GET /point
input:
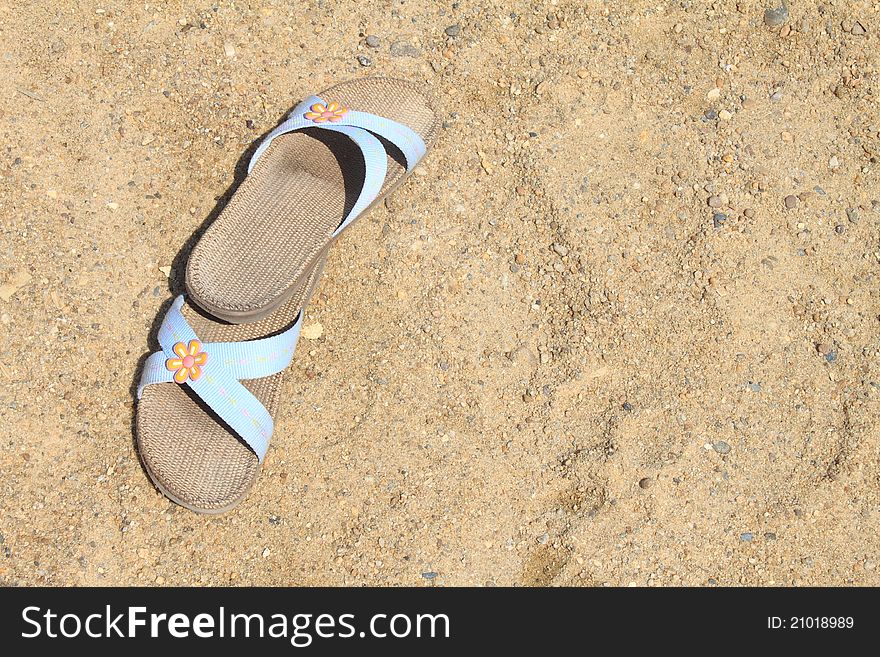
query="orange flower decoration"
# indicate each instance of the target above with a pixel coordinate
(189, 361)
(320, 113)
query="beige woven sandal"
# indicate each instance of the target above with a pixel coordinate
(208, 397)
(329, 162)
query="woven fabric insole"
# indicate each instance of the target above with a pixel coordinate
(282, 217)
(187, 450)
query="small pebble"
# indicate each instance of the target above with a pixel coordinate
(774, 17)
(229, 49)
(754, 387)
(770, 536)
(404, 49)
(364, 61)
(13, 285)
(266, 552)
(857, 29)
(746, 536)
(312, 331)
(852, 215)
(372, 41)
(715, 202)
(560, 249)
(791, 201)
(721, 447)
(718, 219)
(429, 575)
(645, 482)
(543, 538)
(627, 406)
(453, 30)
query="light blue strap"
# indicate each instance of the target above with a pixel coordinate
(405, 138)
(375, 170)
(155, 372)
(256, 359)
(360, 127)
(219, 383)
(236, 406)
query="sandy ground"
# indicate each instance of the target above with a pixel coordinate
(621, 329)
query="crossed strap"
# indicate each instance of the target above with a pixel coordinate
(363, 129)
(214, 370)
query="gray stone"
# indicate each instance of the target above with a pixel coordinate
(404, 49)
(774, 17)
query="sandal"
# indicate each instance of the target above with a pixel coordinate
(335, 157)
(207, 401)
